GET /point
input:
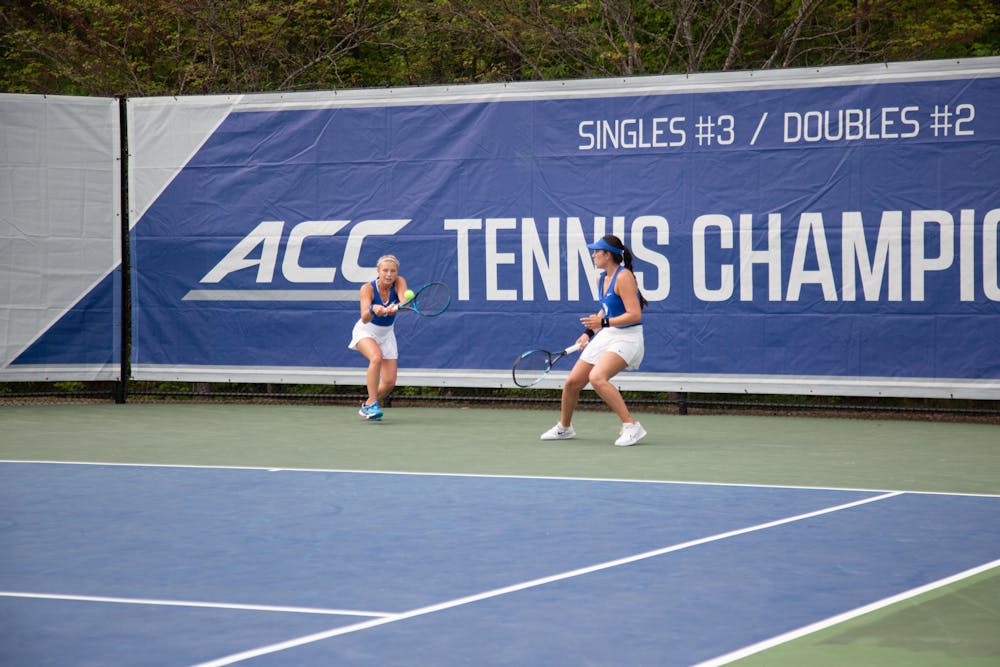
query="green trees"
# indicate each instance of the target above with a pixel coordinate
(174, 47)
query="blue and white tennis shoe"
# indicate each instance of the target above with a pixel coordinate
(371, 412)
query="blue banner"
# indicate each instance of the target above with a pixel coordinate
(846, 231)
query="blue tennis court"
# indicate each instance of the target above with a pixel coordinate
(172, 565)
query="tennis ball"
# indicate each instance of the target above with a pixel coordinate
(408, 295)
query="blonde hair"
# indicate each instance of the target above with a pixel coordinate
(387, 258)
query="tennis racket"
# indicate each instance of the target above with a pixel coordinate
(532, 366)
(430, 300)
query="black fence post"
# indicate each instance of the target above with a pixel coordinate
(121, 386)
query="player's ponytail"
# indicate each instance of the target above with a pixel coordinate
(616, 242)
(627, 258)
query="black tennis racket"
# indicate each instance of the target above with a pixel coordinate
(532, 366)
(430, 300)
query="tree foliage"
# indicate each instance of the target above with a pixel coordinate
(175, 47)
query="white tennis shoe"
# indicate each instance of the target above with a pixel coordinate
(630, 434)
(559, 432)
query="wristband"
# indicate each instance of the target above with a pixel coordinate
(604, 323)
(589, 332)
(371, 309)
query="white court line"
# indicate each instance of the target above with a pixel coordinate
(412, 473)
(846, 616)
(422, 611)
(189, 603)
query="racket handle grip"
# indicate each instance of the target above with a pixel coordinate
(572, 348)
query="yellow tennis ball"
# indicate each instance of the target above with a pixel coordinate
(408, 295)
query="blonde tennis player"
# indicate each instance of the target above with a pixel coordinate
(618, 344)
(374, 335)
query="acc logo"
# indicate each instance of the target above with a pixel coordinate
(268, 235)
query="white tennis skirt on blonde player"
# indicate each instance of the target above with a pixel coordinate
(384, 336)
(627, 343)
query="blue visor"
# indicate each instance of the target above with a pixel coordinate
(601, 244)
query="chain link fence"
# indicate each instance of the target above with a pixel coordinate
(964, 410)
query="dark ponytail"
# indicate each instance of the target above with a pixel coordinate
(616, 242)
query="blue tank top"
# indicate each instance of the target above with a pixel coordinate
(611, 303)
(384, 320)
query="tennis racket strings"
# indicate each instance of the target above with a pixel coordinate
(531, 367)
(432, 299)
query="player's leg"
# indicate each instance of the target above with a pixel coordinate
(387, 378)
(609, 365)
(373, 353)
(575, 383)
(390, 363)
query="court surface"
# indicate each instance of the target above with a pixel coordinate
(292, 535)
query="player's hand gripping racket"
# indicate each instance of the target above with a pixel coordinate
(532, 366)
(430, 300)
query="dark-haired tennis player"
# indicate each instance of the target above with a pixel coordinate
(617, 345)
(374, 336)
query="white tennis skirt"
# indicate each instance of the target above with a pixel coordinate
(627, 343)
(384, 336)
